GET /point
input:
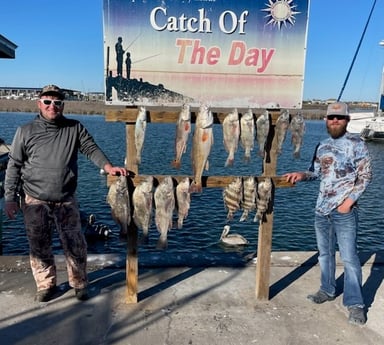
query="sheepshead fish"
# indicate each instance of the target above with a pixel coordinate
(247, 134)
(264, 193)
(297, 128)
(231, 133)
(118, 199)
(281, 128)
(248, 203)
(165, 205)
(262, 125)
(183, 198)
(232, 196)
(201, 147)
(183, 128)
(140, 127)
(142, 199)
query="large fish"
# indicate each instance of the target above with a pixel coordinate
(264, 193)
(297, 128)
(183, 128)
(118, 199)
(247, 134)
(164, 208)
(231, 133)
(140, 127)
(232, 196)
(262, 125)
(183, 198)
(248, 204)
(281, 128)
(142, 200)
(201, 147)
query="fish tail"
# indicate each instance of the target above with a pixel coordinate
(229, 161)
(162, 243)
(244, 216)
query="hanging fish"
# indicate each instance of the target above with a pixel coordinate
(297, 128)
(183, 198)
(264, 194)
(247, 134)
(281, 128)
(183, 128)
(201, 147)
(165, 204)
(140, 127)
(118, 199)
(248, 203)
(232, 196)
(231, 133)
(142, 200)
(262, 125)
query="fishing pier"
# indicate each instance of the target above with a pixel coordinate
(129, 115)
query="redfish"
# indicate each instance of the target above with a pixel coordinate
(201, 147)
(183, 128)
(231, 133)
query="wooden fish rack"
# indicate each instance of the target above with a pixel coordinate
(264, 245)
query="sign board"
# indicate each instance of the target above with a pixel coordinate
(223, 53)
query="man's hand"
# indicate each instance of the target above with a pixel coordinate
(11, 208)
(111, 170)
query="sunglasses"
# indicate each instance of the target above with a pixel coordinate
(56, 102)
(337, 117)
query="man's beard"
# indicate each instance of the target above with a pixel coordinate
(336, 132)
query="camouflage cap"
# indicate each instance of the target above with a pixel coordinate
(338, 108)
(52, 90)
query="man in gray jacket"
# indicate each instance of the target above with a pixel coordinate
(42, 172)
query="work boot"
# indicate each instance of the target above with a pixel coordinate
(45, 295)
(320, 297)
(82, 294)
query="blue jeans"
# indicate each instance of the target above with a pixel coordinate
(340, 227)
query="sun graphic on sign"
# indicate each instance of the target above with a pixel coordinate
(281, 12)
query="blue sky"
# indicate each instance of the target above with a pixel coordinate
(61, 42)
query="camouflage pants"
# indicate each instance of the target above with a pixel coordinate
(40, 218)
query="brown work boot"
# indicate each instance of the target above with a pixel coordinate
(45, 295)
(82, 294)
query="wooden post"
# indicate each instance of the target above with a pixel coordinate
(132, 256)
(264, 243)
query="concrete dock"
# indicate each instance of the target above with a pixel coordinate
(207, 305)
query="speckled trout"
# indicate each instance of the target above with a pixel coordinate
(183, 128)
(231, 134)
(140, 127)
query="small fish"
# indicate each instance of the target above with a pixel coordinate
(262, 125)
(297, 128)
(264, 193)
(118, 199)
(231, 133)
(232, 196)
(183, 198)
(165, 205)
(183, 128)
(248, 203)
(201, 147)
(140, 127)
(281, 128)
(247, 134)
(142, 199)
(233, 239)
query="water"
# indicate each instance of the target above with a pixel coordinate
(293, 210)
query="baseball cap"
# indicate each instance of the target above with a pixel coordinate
(338, 108)
(52, 90)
